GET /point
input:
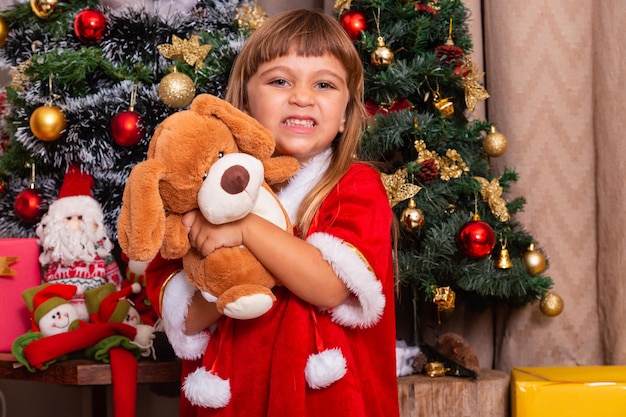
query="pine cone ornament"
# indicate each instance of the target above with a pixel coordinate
(428, 171)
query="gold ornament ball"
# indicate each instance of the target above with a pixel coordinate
(534, 260)
(382, 55)
(47, 123)
(43, 8)
(177, 90)
(494, 144)
(551, 304)
(412, 217)
(4, 32)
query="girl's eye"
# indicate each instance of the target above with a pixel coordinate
(280, 82)
(325, 85)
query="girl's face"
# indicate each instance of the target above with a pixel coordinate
(301, 100)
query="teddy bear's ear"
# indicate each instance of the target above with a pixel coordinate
(251, 137)
(280, 168)
(141, 224)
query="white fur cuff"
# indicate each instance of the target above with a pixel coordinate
(366, 307)
(176, 300)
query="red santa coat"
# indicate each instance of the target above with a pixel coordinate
(264, 358)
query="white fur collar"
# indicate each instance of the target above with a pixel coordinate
(292, 194)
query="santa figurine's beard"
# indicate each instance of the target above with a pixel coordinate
(67, 245)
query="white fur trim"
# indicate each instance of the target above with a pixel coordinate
(324, 368)
(205, 389)
(300, 184)
(176, 300)
(366, 308)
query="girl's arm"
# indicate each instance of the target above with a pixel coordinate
(298, 265)
(200, 315)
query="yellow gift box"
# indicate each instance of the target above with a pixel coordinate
(576, 391)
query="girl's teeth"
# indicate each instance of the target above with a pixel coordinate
(297, 122)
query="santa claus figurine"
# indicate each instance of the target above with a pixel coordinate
(75, 246)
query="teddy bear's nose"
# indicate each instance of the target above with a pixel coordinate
(235, 179)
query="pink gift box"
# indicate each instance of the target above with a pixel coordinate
(19, 270)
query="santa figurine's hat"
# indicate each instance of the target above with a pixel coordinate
(75, 193)
(42, 299)
(107, 304)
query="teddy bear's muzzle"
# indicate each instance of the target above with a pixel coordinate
(231, 188)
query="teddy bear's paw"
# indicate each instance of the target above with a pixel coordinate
(248, 305)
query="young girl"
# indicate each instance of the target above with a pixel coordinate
(300, 76)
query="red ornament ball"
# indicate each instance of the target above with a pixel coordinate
(353, 22)
(126, 128)
(89, 26)
(28, 205)
(476, 238)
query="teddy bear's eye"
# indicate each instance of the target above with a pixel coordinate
(220, 154)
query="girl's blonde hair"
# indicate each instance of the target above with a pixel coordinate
(307, 33)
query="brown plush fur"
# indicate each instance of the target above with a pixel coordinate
(165, 186)
(454, 347)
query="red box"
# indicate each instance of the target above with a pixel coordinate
(19, 270)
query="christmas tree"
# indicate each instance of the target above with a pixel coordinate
(90, 83)
(458, 239)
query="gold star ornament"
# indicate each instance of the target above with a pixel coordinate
(342, 5)
(474, 91)
(188, 50)
(491, 192)
(5, 265)
(398, 189)
(251, 17)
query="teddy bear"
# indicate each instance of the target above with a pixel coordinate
(215, 158)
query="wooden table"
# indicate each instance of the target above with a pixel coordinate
(83, 372)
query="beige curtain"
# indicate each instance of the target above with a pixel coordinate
(554, 72)
(609, 108)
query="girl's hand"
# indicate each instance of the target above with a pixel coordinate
(207, 237)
